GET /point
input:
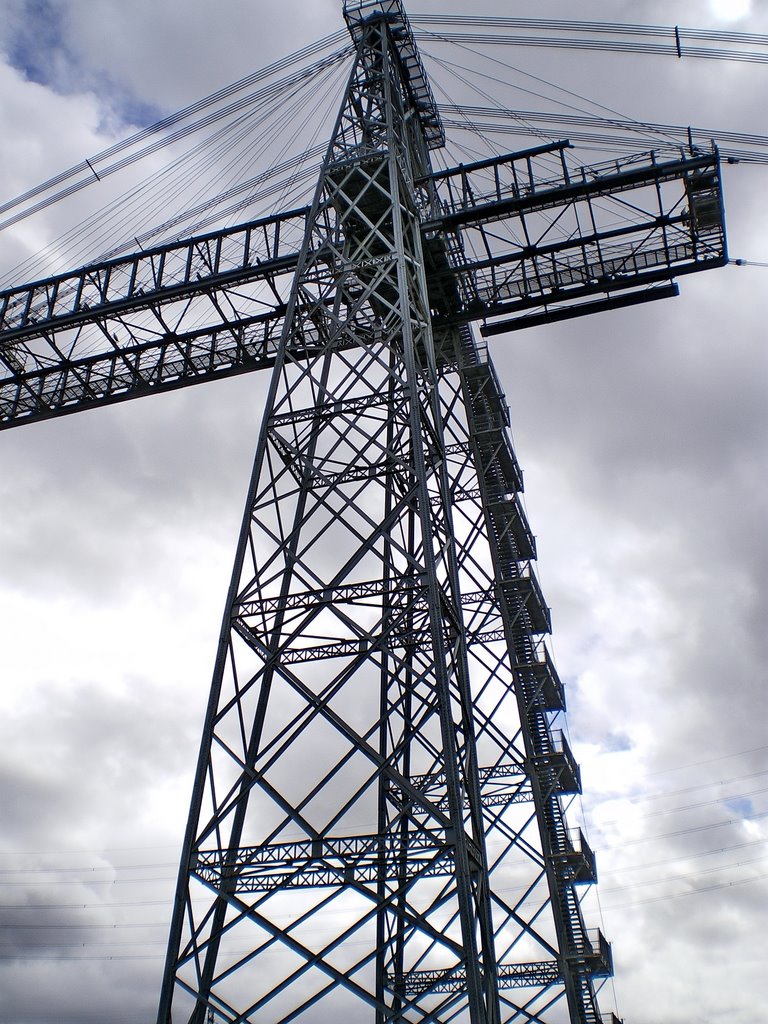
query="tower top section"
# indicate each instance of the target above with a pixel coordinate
(356, 14)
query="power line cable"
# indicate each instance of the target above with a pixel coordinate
(274, 89)
(734, 146)
(95, 160)
(690, 807)
(690, 831)
(691, 892)
(616, 27)
(709, 760)
(537, 78)
(672, 49)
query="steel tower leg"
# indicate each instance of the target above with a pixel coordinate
(376, 829)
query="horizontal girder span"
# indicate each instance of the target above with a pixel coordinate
(132, 371)
(494, 189)
(213, 306)
(326, 862)
(649, 218)
(261, 249)
(513, 975)
(364, 593)
(264, 248)
(333, 861)
(594, 960)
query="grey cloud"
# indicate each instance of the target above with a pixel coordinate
(644, 439)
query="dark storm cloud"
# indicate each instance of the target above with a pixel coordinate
(79, 763)
(78, 757)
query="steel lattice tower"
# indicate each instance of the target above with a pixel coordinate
(377, 829)
(340, 778)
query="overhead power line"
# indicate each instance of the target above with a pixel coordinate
(568, 25)
(169, 130)
(617, 46)
(659, 40)
(688, 892)
(746, 147)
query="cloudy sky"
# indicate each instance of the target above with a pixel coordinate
(644, 439)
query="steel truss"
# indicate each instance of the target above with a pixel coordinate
(377, 828)
(355, 685)
(516, 236)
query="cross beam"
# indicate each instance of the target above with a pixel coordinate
(123, 328)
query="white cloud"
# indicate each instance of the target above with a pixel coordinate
(730, 10)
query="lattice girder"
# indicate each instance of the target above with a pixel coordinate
(346, 489)
(131, 326)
